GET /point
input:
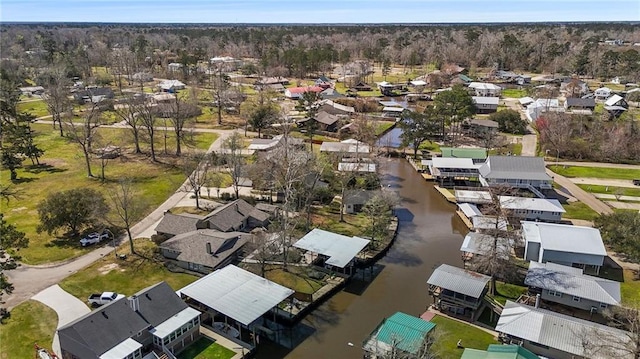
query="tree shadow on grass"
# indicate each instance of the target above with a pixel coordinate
(43, 167)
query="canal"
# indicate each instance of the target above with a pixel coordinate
(430, 233)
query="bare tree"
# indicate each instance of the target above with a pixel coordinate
(84, 133)
(56, 96)
(128, 111)
(181, 113)
(127, 205)
(234, 160)
(196, 167)
(219, 83)
(147, 115)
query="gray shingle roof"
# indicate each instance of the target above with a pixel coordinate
(459, 280)
(230, 216)
(553, 277)
(514, 167)
(178, 223)
(193, 246)
(581, 102)
(95, 333)
(158, 303)
(358, 196)
(562, 332)
(326, 118)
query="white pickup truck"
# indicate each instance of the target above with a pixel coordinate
(94, 238)
(97, 299)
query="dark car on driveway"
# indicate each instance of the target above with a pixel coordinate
(636, 182)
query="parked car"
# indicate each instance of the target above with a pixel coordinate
(636, 182)
(98, 299)
(93, 238)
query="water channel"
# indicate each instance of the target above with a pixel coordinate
(430, 234)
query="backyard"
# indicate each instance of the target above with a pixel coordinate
(449, 331)
(62, 168)
(205, 348)
(296, 278)
(579, 210)
(31, 322)
(596, 172)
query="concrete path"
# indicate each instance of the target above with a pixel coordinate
(599, 164)
(604, 182)
(620, 198)
(580, 194)
(29, 280)
(624, 205)
(68, 308)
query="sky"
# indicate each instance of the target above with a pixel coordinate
(313, 11)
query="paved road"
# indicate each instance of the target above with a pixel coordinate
(530, 141)
(68, 308)
(597, 164)
(29, 280)
(580, 194)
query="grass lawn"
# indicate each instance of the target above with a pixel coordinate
(635, 192)
(31, 322)
(205, 348)
(382, 126)
(630, 289)
(506, 291)
(451, 331)
(596, 172)
(63, 168)
(514, 93)
(35, 108)
(295, 278)
(328, 218)
(579, 210)
(429, 146)
(124, 276)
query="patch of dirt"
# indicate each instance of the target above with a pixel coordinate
(55, 162)
(107, 268)
(19, 209)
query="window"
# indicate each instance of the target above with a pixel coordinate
(604, 305)
(576, 299)
(553, 293)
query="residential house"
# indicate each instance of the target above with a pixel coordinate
(450, 168)
(540, 106)
(525, 101)
(234, 298)
(203, 250)
(602, 93)
(32, 90)
(325, 121)
(499, 351)
(575, 246)
(457, 290)
(476, 154)
(330, 94)
(163, 98)
(355, 199)
(559, 336)
(143, 77)
(175, 224)
(175, 67)
(93, 95)
(486, 104)
(580, 104)
(331, 250)
(481, 128)
(171, 86)
(350, 146)
(394, 112)
(616, 105)
(323, 82)
(516, 171)
(483, 89)
(399, 336)
(295, 93)
(477, 243)
(570, 287)
(574, 87)
(154, 319)
(357, 166)
(361, 86)
(335, 108)
(482, 223)
(532, 209)
(226, 63)
(272, 81)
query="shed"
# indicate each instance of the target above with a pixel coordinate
(499, 351)
(339, 249)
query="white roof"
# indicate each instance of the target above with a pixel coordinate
(483, 222)
(392, 109)
(611, 101)
(572, 281)
(178, 320)
(128, 346)
(356, 167)
(480, 243)
(459, 280)
(486, 100)
(469, 210)
(484, 86)
(564, 238)
(418, 83)
(454, 162)
(605, 90)
(168, 84)
(350, 146)
(562, 332)
(340, 249)
(237, 293)
(525, 100)
(531, 204)
(473, 196)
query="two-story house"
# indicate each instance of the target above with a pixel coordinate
(457, 290)
(516, 171)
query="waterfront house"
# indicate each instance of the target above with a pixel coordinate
(574, 246)
(325, 121)
(355, 199)
(350, 146)
(558, 336)
(450, 168)
(570, 287)
(532, 209)
(516, 171)
(399, 336)
(334, 108)
(330, 250)
(476, 154)
(499, 351)
(476, 243)
(457, 290)
(153, 320)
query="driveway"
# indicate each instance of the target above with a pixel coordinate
(580, 194)
(604, 182)
(68, 308)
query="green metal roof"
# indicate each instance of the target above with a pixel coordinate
(475, 153)
(497, 351)
(465, 78)
(404, 331)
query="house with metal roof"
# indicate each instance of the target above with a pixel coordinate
(476, 243)
(582, 104)
(485, 89)
(171, 86)
(399, 336)
(489, 222)
(451, 168)
(236, 298)
(360, 167)
(203, 250)
(559, 336)
(499, 351)
(476, 197)
(616, 105)
(458, 290)
(350, 146)
(516, 171)
(334, 108)
(486, 104)
(295, 93)
(154, 319)
(476, 154)
(330, 249)
(569, 286)
(574, 246)
(532, 209)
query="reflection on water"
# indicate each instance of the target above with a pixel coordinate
(428, 236)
